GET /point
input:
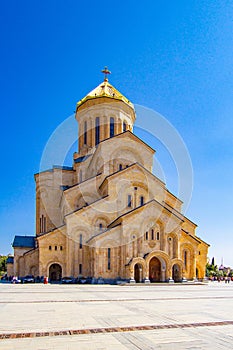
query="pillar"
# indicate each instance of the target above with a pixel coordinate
(132, 280)
(147, 274)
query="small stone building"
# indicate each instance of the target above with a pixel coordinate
(108, 216)
(10, 266)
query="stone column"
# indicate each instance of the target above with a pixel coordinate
(107, 127)
(102, 128)
(118, 126)
(140, 274)
(132, 280)
(147, 274)
(163, 271)
(170, 279)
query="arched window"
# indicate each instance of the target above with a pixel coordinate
(120, 166)
(146, 236)
(157, 236)
(112, 127)
(141, 200)
(85, 133)
(124, 126)
(100, 226)
(97, 131)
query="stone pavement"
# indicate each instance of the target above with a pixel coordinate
(98, 317)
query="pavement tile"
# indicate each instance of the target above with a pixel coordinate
(102, 317)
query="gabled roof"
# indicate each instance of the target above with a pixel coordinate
(65, 188)
(24, 242)
(10, 260)
(191, 236)
(198, 239)
(55, 167)
(131, 135)
(116, 221)
(50, 231)
(128, 169)
(86, 206)
(105, 89)
(101, 233)
(81, 159)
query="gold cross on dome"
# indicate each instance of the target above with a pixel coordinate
(105, 71)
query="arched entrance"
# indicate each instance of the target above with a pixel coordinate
(55, 272)
(138, 273)
(155, 270)
(176, 275)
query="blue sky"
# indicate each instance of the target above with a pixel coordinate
(174, 57)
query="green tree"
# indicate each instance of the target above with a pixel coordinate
(3, 264)
(211, 269)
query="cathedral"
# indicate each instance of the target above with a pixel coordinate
(108, 217)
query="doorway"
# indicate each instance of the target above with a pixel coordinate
(155, 270)
(55, 273)
(138, 273)
(176, 273)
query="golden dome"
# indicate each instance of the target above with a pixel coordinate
(105, 89)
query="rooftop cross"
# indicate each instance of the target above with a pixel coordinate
(105, 71)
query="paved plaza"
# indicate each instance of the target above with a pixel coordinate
(98, 317)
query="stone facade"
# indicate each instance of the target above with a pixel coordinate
(108, 216)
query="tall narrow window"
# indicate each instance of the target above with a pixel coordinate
(124, 127)
(157, 237)
(97, 131)
(152, 234)
(120, 166)
(141, 200)
(80, 241)
(55, 247)
(101, 226)
(146, 236)
(80, 269)
(185, 259)
(129, 201)
(109, 258)
(85, 133)
(112, 127)
(44, 224)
